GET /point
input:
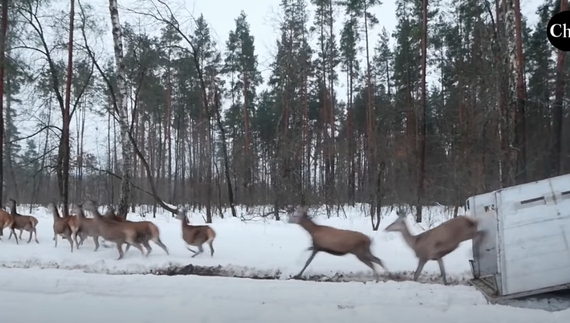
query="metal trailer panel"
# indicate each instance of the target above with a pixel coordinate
(483, 208)
(532, 248)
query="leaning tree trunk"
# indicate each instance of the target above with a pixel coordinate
(121, 109)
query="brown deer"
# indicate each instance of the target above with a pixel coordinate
(87, 227)
(22, 222)
(436, 243)
(7, 221)
(147, 230)
(62, 226)
(336, 242)
(113, 231)
(196, 235)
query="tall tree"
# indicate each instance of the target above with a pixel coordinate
(121, 109)
(558, 107)
(64, 145)
(421, 158)
(241, 63)
(2, 72)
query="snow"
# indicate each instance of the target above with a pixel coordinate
(79, 283)
(262, 247)
(69, 296)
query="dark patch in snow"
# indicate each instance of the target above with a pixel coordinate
(174, 269)
(339, 277)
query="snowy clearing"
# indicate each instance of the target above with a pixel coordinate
(262, 248)
(148, 298)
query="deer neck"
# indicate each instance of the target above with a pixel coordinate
(408, 237)
(308, 225)
(184, 222)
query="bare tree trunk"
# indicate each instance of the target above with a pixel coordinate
(8, 144)
(422, 135)
(520, 110)
(64, 143)
(558, 109)
(2, 70)
(122, 109)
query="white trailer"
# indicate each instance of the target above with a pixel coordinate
(527, 247)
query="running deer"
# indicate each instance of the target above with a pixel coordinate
(436, 243)
(62, 226)
(196, 235)
(113, 231)
(7, 221)
(147, 231)
(336, 242)
(22, 222)
(87, 227)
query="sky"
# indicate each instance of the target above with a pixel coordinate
(263, 17)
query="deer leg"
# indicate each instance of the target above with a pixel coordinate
(21, 232)
(200, 250)
(442, 269)
(375, 259)
(127, 248)
(148, 248)
(82, 237)
(211, 244)
(31, 232)
(421, 265)
(96, 241)
(75, 238)
(190, 249)
(68, 237)
(15, 237)
(163, 246)
(55, 239)
(36, 235)
(138, 246)
(368, 263)
(120, 249)
(313, 254)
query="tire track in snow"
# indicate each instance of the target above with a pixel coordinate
(233, 271)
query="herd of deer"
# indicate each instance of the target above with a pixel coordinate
(110, 226)
(432, 244)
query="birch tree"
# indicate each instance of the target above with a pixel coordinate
(121, 109)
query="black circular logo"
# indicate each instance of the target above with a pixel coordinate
(558, 31)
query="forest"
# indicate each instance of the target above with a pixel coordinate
(190, 124)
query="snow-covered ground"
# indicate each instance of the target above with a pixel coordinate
(257, 247)
(36, 295)
(57, 281)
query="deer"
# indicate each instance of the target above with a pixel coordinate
(87, 227)
(196, 235)
(65, 227)
(113, 231)
(7, 221)
(337, 242)
(22, 222)
(437, 242)
(148, 231)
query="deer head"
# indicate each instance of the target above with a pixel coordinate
(400, 223)
(76, 208)
(298, 215)
(180, 215)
